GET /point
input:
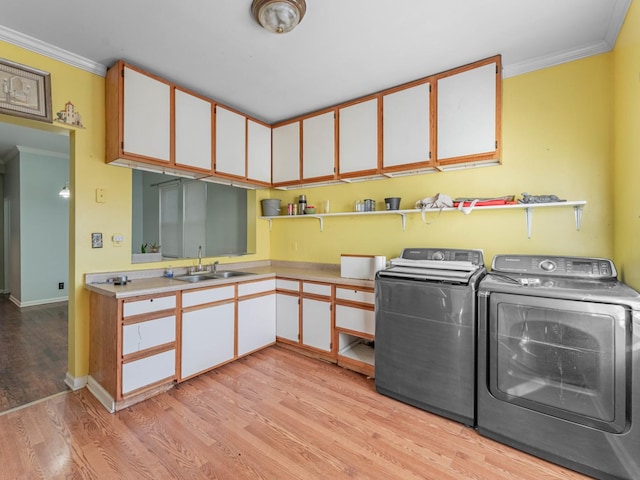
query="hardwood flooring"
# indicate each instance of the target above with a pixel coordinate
(33, 352)
(273, 415)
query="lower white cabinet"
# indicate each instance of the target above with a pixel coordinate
(148, 370)
(355, 319)
(256, 323)
(208, 338)
(152, 333)
(288, 320)
(316, 323)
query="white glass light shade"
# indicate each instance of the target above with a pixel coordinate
(65, 192)
(279, 16)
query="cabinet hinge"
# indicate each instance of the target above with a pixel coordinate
(497, 70)
(496, 144)
(429, 155)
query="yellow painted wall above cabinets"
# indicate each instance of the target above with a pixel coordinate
(89, 172)
(626, 141)
(556, 140)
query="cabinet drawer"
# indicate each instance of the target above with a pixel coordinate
(292, 285)
(317, 288)
(250, 288)
(143, 335)
(148, 370)
(356, 319)
(353, 295)
(190, 299)
(148, 305)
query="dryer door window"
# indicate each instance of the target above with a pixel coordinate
(563, 358)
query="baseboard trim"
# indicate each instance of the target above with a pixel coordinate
(75, 383)
(101, 394)
(33, 303)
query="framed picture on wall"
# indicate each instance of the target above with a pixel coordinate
(26, 92)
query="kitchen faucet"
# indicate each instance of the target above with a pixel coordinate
(200, 258)
(215, 266)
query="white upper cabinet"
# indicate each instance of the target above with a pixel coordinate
(286, 153)
(192, 131)
(147, 116)
(467, 113)
(358, 149)
(319, 146)
(258, 152)
(230, 142)
(406, 127)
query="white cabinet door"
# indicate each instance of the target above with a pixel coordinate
(192, 131)
(406, 124)
(152, 333)
(256, 323)
(358, 145)
(356, 319)
(467, 112)
(208, 338)
(147, 116)
(288, 316)
(258, 152)
(230, 142)
(148, 370)
(318, 146)
(148, 305)
(286, 153)
(316, 324)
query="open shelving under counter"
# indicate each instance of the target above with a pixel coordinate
(528, 208)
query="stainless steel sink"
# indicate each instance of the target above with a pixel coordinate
(195, 277)
(200, 277)
(229, 273)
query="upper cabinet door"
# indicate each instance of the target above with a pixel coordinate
(468, 113)
(192, 131)
(147, 116)
(358, 145)
(406, 127)
(231, 137)
(285, 153)
(319, 147)
(258, 152)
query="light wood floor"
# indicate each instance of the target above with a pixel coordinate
(33, 352)
(273, 415)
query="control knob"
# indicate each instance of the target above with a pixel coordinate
(438, 255)
(547, 265)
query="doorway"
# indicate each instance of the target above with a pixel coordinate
(34, 264)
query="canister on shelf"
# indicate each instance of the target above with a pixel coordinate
(302, 204)
(290, 209)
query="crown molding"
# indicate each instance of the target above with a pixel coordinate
(554, 59)
(38, 46)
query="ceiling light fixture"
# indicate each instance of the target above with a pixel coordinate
(65, 192)
(279, 16)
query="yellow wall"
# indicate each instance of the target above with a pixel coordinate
(556, 140)
(88, 172)
(626, 142)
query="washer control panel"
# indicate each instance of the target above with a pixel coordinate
(443, 255)
(581, 267)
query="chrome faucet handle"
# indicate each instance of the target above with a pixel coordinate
(215, 266)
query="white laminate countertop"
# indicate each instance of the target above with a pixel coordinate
(151, 282)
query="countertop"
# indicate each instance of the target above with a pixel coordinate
(152, 282)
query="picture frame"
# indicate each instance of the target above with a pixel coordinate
(25, 91)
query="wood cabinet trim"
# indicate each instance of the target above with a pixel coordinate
(149, 352)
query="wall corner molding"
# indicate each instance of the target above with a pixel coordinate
(33, 44)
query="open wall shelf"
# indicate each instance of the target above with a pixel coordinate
(527, 207)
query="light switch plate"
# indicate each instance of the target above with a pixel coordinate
(100, 195)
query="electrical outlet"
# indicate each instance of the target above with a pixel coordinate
(61, 286)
